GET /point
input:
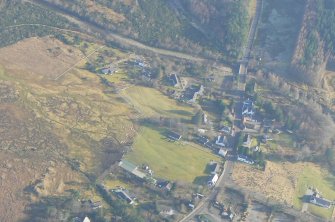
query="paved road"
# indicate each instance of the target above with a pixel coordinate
(207, 200)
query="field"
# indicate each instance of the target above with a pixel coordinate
(153, 103)
(287, 182)
(169, 160)
(314, 176)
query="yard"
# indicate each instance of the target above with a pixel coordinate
(169, 160)
(152, 103)
(314, 176)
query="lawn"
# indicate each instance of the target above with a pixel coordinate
(169, 160)
(313, 175)
(151, 103)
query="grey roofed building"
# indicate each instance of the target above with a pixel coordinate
(173, 136)
(122, 194)
(131, 168)
(320, 201)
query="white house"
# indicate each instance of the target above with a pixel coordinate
(213, 179)
(223, 152)
(87, 219)
(221, 141)
(245, 159)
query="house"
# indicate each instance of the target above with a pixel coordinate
(226, 129)
(214, 167)
(245, 159)
(222, 152)
(192, 93)
(108, 70)
(123, 195)
(173, 136)
(165, 185)
(247, 108)
(221, 141)
(204, 118)
(213, 179)
(202, 140)
(320, 201)
(86, 219)
(95, 205)
(174, 80)
(266, 138)
(247, 141)
(131, 168)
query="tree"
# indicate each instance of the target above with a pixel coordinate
(197, 118)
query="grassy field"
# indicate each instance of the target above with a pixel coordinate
(313, 175)
(169, 160)
(153, 103)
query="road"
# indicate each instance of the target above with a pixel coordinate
(108, 35)
(207, 200)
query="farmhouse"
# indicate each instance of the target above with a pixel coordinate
(173, 136)
(131, 168)
(213, 179)
(320, 201)
(123, 195)
(221, 141)
(245, 159)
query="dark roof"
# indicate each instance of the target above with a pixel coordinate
(202, 140)
(320, 201)
(173, 135)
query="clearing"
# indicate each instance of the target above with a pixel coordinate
(153, 103)
(287, 182)
(169, 160)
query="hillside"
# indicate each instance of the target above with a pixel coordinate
(200, 27)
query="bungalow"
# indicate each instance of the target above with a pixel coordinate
(222, 152)
(213, 179)
(247, 141)
(214, 167)
(221, 141)
(173, 136)
(245, 159)
(123, 195)
(320, 201)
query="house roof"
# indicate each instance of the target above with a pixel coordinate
(126, 165)
(214, 167)
(320, 201)
(173, 135)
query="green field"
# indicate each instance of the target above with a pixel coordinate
(151, 103)
(313, 175)
(169, 160)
